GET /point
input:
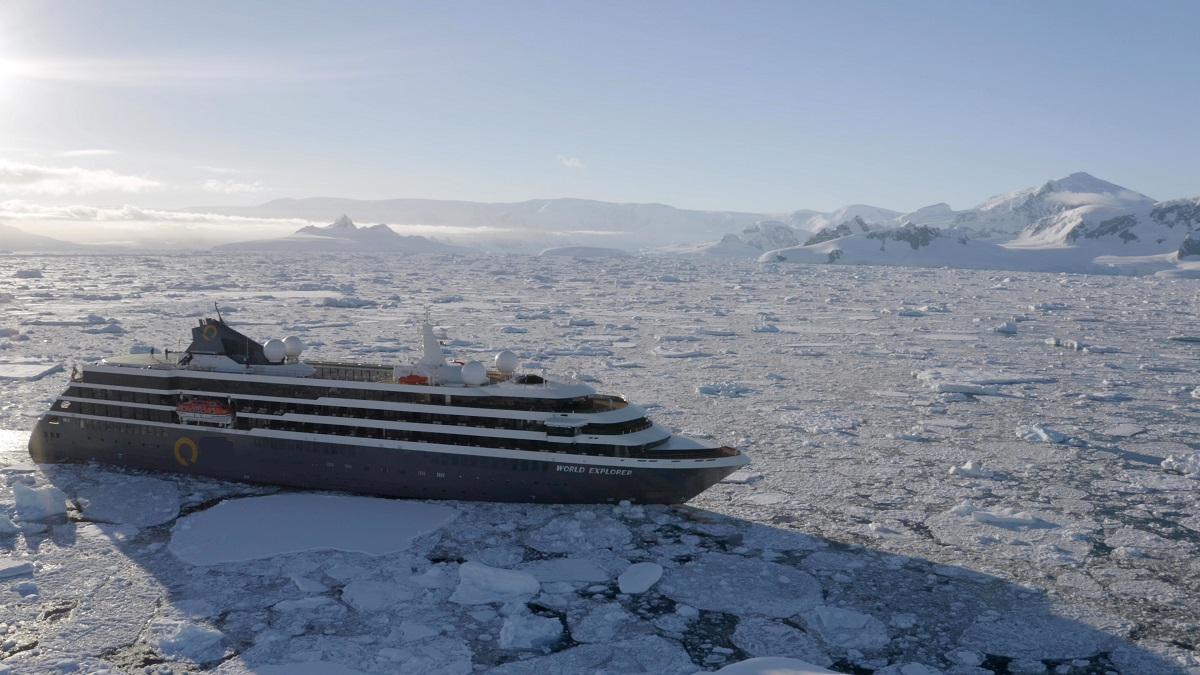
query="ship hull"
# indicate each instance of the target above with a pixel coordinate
(368, 466)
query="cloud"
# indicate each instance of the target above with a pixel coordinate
(218, 169)
(188, 71)
(33, 179)
(572, 163)
(87, 153)
(232, 187)
(1074, 199)
(16, 209)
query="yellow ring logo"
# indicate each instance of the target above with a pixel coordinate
(186, 443)
(210, 332)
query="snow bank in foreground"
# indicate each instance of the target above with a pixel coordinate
(261, 527)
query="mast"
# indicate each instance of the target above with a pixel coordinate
(431, 350)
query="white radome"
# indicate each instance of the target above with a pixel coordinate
(293, 346)
(274, 350)
(474, 373)
(507, 362)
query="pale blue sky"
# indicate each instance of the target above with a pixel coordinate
(754, 106)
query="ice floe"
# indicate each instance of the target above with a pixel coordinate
(1188, 465)
(840, 531)
(261, 527)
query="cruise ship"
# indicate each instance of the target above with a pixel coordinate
(231, 408)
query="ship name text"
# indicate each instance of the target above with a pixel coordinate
(595, 469)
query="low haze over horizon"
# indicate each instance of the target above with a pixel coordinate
(770, 107)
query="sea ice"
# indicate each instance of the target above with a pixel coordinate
(643, 655)
(1188, 465)
(27, 371)
(526, 631)
(261, 527)
(847, 628)
(585, 532)
(566, 569)
(1039, 433)
(677, 354)
(366, 595)
(735, 584)
(140, 501)
(759, 636)
(33, 504)
(480, 584)
(1003, 516)
(14, 568)
(639, 577)
(773, 665)
(726, 389)
(972, 469)
(184, 639)
(307, 668)
(858, 522)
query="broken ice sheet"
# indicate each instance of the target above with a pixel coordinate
(1118, 513)
(259, 527)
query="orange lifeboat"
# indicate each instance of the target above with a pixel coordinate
(413, 379)
(205, 410)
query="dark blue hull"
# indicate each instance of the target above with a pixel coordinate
(371, 467)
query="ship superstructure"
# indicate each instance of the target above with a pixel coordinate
(232, 408)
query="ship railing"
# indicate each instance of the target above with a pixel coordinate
(705, 453)
(603, 402)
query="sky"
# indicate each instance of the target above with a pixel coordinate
(759, 106)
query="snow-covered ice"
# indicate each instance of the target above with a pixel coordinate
(262, 527)
(1047, 522)
(639, 577)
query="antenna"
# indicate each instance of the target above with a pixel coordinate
(216, 307)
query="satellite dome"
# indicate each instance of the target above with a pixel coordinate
(474, 373)
(507, 362)
(293, 346)
(275, 350)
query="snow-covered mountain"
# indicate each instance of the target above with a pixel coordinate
(15, 239)
(1092, 238)
(819, 221)
(522, 225)
(1075, 223)
(1144, 229)
(581, 222)
(1078, 223)
(342, 235)
(1011, 213)
(763, 235)
(938, 215)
